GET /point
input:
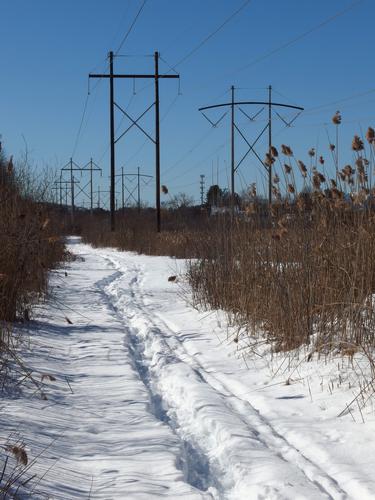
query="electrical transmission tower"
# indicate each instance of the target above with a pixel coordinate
(90, 167)
(128, 193)
(71, 167)
(102, 201)
(232, 105)
(134, 122)
(202, 189)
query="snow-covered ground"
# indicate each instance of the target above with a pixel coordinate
(152, 401)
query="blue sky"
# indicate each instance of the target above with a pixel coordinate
(48, 48)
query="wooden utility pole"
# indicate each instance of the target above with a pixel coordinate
(232, 169)
(71, 167)
(131, 191)
(157, 142)
(112, 140)
(134, 122)
(270, 145)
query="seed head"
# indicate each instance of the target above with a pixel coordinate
(357, 143)
(286, 150)
(274, 152)
(302, 168)
(311, 152)
(287, 168)
(336, 119)
(370, 135)
(269, 160)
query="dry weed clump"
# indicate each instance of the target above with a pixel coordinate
(29, 243)
(304, 274)
(137, 232)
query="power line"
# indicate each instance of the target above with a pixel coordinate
(212, 34)
(131, 27)
(339, 101)
(298, 38)
(80, 125)
(206, 39)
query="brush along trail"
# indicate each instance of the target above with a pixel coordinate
(146, 399)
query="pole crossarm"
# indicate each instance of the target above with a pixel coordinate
(243, 103)
(140, 175)
(93, 75)
(91, 166)
(71, 165)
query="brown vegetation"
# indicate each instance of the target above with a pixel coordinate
(29, 243)
(302, 273)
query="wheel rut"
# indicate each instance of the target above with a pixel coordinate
(192, 461)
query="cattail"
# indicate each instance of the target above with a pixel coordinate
(336, 194)
(357, 143)
(10, 166)
(291, 188)
(287, 168)
(274, 152)
(275, 192)
(342, 176)
(316, 181)
(253, 190)
(321, 177)
(250, 209)
(321, 160)
(269, 161)
(332, 147)
(302, 168)
(370, 135)
(347, 170)
(333, 183)
(336, 119)
(361, 169)
(359, 162)
(276, 179)
(311, 152)
(164, 189)
(286, 150)
(19, 454)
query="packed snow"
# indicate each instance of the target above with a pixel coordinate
(145, 396)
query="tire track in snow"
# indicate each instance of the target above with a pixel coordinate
(266, 433)
(192, 461)
(259, 429)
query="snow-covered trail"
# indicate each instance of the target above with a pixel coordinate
(148, 402)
